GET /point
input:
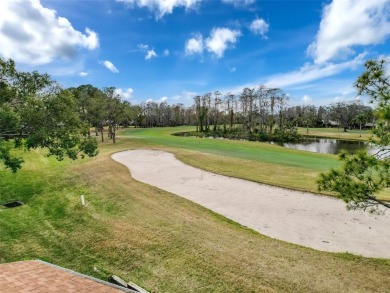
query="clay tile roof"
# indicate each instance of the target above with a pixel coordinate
(38, 276)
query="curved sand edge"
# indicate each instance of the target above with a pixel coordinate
(303, 218)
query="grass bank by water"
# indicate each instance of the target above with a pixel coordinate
(338, 133)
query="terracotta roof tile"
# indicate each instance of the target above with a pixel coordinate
(36, 276)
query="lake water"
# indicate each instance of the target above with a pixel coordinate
(318, 145)
(328, 145)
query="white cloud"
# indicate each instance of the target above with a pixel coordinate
(184, 96)
(259, 27)
(35, 35)
(194, 45)
(238, 3)
(220, 39)
(158, 101)
(299, 80)
(166, 53)
(161, 7)
(306, 99)
(310, 72)
(344, 97)
(143, 47)
(110, 66)
(126, 94)
(349, 23)
(344, 94)
(150, 54)
(83, 73)
(232, 69)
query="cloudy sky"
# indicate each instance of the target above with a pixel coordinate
(174, 49)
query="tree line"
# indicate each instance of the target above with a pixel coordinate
(263, 113)
(253, 110)
(35, 111)
(260, 113)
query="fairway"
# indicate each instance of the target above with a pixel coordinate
(253, 151)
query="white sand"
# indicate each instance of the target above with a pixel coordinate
(318, 222)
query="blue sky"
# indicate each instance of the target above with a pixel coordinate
(172, 50)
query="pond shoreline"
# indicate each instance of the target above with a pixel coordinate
(311, 143)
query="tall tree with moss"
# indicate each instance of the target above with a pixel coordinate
(362, 176)
(36, 113)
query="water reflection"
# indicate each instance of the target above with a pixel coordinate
(329, 145)
(317, 145)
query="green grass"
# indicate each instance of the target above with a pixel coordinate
(158, 240)
(253, 151)
(334, 132)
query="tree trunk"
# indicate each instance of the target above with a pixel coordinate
(109, 135)
(215, 122)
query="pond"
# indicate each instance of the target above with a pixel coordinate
(316, 145)
(328, 145)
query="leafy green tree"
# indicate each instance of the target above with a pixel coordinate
(36, 113)
(114, 111)
(308, 116)
(362, 119)
(91, 105)
(363, 175)
(345, 113)
(130, 113)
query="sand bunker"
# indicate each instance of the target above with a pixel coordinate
(318, 222)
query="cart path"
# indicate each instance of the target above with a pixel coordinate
(303, 218)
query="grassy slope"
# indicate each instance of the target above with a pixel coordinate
(161, 241)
